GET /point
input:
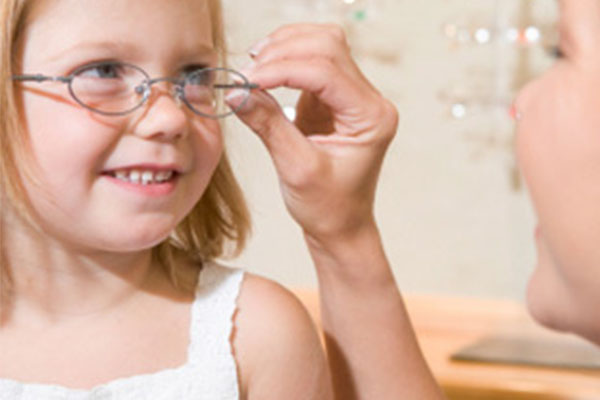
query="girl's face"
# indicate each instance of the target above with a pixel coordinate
(78, 153)
(558, 146)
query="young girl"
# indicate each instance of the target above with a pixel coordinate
(117, 196)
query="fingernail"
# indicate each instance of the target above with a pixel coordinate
(235, 97)
(257, 48)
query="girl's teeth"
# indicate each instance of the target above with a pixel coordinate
(122, 175)
(134, 176)
(143, 177)
(147, 177)
(163, 176)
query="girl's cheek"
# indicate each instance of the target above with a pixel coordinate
(208, 135)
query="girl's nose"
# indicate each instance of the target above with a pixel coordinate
(163, 116)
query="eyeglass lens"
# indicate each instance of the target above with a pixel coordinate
(116, 89)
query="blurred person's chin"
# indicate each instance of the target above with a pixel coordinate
(552, 304)
(541, 302)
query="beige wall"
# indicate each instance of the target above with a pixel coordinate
(451, 219)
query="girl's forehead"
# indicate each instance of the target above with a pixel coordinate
(56, 26)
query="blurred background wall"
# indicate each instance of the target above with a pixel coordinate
(452, 208)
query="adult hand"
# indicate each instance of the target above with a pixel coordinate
(328, 160)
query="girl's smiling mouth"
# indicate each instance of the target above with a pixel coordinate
(145, 179)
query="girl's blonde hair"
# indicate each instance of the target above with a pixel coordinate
(217, 226)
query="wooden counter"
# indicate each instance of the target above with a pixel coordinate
(444, 325)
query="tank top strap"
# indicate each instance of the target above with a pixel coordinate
(212, 316)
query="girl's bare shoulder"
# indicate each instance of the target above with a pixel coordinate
(276, 344)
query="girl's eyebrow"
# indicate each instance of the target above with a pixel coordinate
(106, 46)
(127, 49)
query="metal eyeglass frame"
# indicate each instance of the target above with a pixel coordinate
(145, 87)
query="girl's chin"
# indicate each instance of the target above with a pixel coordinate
(135, 246)
(123, 244)
(138, 237)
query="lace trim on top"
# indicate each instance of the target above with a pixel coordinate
(210, 372)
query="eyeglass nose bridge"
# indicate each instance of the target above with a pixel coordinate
(145, 88)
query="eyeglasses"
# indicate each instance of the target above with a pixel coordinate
(116, 89)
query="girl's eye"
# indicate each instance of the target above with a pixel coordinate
(193, 72)
(190, 69)
(103, 71)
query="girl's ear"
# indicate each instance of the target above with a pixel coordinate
(580, 25)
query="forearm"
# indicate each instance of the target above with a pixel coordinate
(327, 162)
(372, 349)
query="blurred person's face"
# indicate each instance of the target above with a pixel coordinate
(558, 147)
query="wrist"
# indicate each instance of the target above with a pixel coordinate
(355, 258)
(340, 237)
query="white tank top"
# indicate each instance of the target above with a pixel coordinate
(210, 372)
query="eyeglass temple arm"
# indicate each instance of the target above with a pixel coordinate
(237, 86)
(41, 78)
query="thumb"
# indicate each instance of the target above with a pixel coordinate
(288, 147)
